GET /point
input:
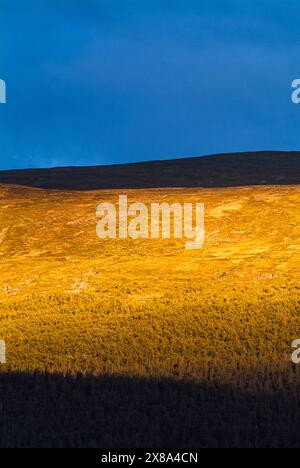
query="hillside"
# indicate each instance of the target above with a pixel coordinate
(48, 240)
(224, 170)
(218, 322)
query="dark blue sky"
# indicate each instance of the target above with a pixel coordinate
(108, 81)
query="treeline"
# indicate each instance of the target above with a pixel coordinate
(181, 336)
(181, 371)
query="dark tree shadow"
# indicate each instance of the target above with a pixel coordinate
(117, 412)
(230, 170)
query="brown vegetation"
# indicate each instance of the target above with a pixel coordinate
(204, 335)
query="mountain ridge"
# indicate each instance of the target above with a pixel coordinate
(219, 170)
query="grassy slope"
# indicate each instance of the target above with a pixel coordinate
(226, 314)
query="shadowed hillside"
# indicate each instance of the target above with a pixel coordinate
(230, 170)
(42, 410)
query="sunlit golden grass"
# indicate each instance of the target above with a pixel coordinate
(70, 302)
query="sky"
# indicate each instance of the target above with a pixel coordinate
(113, 81)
